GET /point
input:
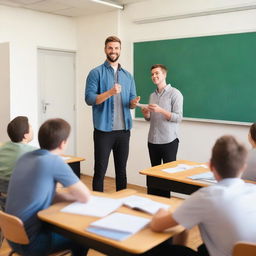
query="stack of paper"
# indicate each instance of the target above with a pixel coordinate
(97, 206)
(144, 204)
(183, 167)
(118, 226)
(206, 176)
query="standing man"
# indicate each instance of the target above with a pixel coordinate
(164, 113)
(110, 90)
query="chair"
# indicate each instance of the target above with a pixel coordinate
(13, 230)
(244, 249)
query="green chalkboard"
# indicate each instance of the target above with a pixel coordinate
(215, 74)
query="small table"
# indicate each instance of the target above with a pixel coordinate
(74, 163)
(162, 183)
(74, 226)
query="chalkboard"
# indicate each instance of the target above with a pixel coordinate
(215, 74)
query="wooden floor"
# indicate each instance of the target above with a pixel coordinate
(194, 238)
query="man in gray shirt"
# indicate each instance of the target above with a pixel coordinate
(164, 113)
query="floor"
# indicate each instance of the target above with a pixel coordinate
(194, 237)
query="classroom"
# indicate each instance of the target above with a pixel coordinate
(25, 32)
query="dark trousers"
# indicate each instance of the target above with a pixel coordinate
(104, 142)
(163, 152)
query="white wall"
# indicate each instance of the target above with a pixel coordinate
(26, 31)
(196, 138)
(4, 89)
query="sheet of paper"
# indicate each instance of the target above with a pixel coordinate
(206, 176)
(112, 234)
(183, 167)
(65, 158)
(121, 222)
(144, 204)
(97, 206)
(141, 105)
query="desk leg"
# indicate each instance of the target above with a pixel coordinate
(76, 168)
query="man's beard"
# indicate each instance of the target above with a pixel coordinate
(111, 59)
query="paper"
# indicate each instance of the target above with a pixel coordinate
(141, 105)
(65, 158)
(183, 167)
(144, 204)
(118, 226)
(206, 176)
(97, 206)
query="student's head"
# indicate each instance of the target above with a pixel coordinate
(112, 48)
(53, 133)
(158, 73)
(228, 157)
(252, 135)
(19, 130)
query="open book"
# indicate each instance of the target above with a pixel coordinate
(97, 206)
(144, 204)
(118, 226)
(183, 167)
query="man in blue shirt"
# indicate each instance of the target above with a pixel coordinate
(110, 90)
(32, 188)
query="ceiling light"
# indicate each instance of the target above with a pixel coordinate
(109, 4)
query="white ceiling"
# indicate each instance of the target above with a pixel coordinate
(71, 8)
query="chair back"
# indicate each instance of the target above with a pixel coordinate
(244, 249)
(13, 228)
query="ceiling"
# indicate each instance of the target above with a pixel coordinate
(71, 8)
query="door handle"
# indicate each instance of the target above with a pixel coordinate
(44, 106)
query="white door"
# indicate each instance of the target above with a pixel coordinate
(56, 79)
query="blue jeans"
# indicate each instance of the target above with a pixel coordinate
(47, 242)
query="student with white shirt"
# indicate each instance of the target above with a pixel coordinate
(225, 212)
(250, 171)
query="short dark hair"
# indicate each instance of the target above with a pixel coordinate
(112, 39)
(163, 67)
(52, 132)
(228, 156)
(253, 132)
(17, 128)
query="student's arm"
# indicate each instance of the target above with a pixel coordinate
(146, 113)
(76, 192)
(162, 220)
(156, 108)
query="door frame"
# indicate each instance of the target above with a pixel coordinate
(39, 105)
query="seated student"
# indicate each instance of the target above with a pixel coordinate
(32, 188)
(20, 133)
(225, 212)
(250, 171)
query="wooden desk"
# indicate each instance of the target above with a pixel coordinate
(74, 226)
(74, 163)
(161, 183)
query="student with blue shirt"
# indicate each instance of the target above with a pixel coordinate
(225, 212)
(110, 90)
(32, 188)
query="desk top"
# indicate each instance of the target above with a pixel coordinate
(178, 176)
(138, 243)
(73, 159)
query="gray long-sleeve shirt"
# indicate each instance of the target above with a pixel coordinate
(163, 131)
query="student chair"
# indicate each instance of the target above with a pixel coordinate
(244, 248)
(13, 230)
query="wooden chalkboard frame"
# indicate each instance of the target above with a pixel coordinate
(216, 74)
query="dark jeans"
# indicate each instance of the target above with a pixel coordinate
(47, 242)
(163, 152)
(104, 142)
